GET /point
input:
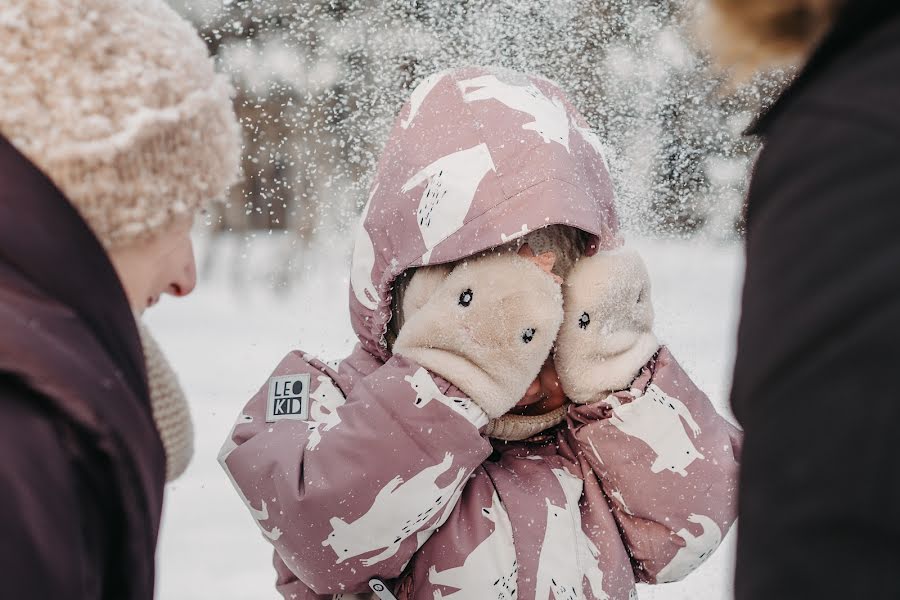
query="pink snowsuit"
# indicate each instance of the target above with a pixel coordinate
(376, 468)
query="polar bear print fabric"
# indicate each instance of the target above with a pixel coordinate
(418, 96)
(261, 514)
(558, 576)
(489, 571)
(594, 142)
(695, 551)
(364, 261)
(588, 553)
(388, 523)
(325, 401)
(656, 419)
(522, 232)
(551, 121)
(426, 391)
(451, 182)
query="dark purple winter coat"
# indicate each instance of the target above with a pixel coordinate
(82, 467)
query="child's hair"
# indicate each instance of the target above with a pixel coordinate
(567, 243)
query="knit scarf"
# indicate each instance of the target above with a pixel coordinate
(170, 408)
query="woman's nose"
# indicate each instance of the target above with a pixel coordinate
(186, 280)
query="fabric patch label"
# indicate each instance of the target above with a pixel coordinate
(288, 398)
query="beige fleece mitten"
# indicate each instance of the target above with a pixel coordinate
(606, 336)
(486, 326)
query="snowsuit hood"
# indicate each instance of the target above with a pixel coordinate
(476, 158)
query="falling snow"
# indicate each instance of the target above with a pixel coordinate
(319, 84)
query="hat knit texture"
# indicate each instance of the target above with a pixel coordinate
(170, 408)
(119, 104)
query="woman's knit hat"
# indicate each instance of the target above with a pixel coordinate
(118, 103)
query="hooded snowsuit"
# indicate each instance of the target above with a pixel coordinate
(376, 468)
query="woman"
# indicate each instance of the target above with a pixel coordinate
(114, 130)
(820, 484)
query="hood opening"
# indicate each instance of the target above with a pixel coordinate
(477, 159)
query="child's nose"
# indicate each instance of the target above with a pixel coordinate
(545, 386)
(549, 380)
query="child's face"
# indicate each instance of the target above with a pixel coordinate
(544, 395)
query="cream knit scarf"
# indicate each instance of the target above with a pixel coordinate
(170, 408)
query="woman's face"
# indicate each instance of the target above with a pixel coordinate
(162, 265)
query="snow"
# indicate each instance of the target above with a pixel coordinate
(225, 339)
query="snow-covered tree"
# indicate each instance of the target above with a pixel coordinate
(320, 81)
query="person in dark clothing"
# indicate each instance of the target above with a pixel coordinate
(114, 130)
(819, 499)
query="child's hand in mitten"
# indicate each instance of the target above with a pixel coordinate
(486, 326)
(606, 336)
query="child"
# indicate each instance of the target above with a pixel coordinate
(441, 459)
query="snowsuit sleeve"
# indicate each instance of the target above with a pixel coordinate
(667, 462)
(351, 492)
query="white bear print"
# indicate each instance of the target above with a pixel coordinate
(520, 233)
(594, 450)
(427, 390)
(323, 410)
(655, 418)
(557, 573)
(551, 121)
(489, 571)
(424, 534)
(451, 185)
(594, 141)
(418, 96)
(399, 511)
(364, 261)
(620, 500)
(695, 550)
(263, 513)
(588, 553)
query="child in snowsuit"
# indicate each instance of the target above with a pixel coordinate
(488, 243)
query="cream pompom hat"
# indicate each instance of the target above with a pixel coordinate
(119, 104)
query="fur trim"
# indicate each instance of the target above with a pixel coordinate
(606, 336)
(170, 408)
(514, 428)
(747, 35)
(118, 103)
(487, 328)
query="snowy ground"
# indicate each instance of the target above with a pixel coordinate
(224, 340)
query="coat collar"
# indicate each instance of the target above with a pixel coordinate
(855, 21)
(44, 238)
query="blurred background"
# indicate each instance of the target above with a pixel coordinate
(319, 84)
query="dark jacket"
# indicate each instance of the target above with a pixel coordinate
(82, 467)
(818, 346)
